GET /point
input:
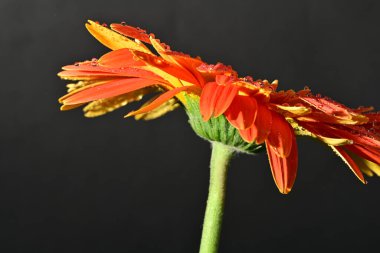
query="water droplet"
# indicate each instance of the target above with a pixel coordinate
(94, 62)
(104, 25)
(123, 23)
(76, 64)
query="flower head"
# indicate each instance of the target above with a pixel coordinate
(243, 113)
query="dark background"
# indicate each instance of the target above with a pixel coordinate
(71, 184)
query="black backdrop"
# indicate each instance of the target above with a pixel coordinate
(71, 184)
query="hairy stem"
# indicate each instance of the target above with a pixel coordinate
(212, 224)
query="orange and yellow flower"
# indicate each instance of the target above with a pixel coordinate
(260, 114)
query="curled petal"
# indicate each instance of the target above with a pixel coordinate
(225, 98)
(242, 112)
(280, 136)
(284, 169)
(262, 124)
(209, 97)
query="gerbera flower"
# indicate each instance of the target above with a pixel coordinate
(235, 113)
(253, 107)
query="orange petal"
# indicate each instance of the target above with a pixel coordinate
(368, 153)
(224, 79)
(284, 169)
(107, 74)
(131, 31)
(208, 98)
(358, 134)
(168, 67)
(114, 40)
(263, 123)
(106, 90)
(159, 101)
(280, 136)
(249, 134)
(242, 112)
(350, 162)
(225, 98)
(191, 64)
(120, 58)
(335, 110)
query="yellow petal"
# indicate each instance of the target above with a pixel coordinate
(166, 107)
(297, 110)
(114, 40)
(69, 107)
(368, 167)
(103, 106)
(174, 81)
(335, 141)
(162, 51)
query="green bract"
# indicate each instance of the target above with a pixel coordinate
(218, 129)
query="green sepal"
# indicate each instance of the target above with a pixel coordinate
(217, 129)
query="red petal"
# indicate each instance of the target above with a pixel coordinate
(280, 137)
(368, 153)
(166, 66)
(263, 123)
(159, 101)
(209, 95)
(132, 32)
(284, 170)
(242, 112)
(225, 98)
(120, 58)
(106, 73)
(350, 162)
(106, 90)
(191, 64)
(224, 79)
(327, 106)
(249, 134)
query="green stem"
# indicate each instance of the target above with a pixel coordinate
(212, 224)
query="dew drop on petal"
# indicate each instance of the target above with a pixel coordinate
(123, 23)
(94, 62)
(104, 25)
